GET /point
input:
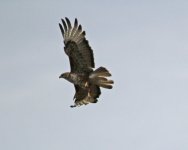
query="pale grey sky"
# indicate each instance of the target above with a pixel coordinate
(143, 44)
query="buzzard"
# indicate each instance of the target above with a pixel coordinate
(86, 80)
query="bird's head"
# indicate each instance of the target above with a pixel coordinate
(69, 76)
(65, 75)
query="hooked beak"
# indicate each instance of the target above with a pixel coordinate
(64, 75)
(61, 76)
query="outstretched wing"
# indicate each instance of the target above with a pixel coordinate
(76, 46)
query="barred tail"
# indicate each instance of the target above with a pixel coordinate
(98, 77)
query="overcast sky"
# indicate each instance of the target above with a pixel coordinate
(144, 44)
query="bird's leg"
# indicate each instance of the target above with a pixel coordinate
(89, 92)
(86, 84)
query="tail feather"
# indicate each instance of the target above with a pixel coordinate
(98, 77)
(105, 84)
(101, 72)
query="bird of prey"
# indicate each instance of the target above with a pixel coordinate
(87, 80)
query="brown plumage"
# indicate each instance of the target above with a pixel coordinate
(87, 81)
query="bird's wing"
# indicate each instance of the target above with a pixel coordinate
(84, 97)
(76, 46)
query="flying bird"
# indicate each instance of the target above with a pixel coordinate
(87, 80)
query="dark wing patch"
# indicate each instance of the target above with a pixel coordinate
(80, 93)
(95, 91)
(77, 62)
(84, 96)
(76, 36)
